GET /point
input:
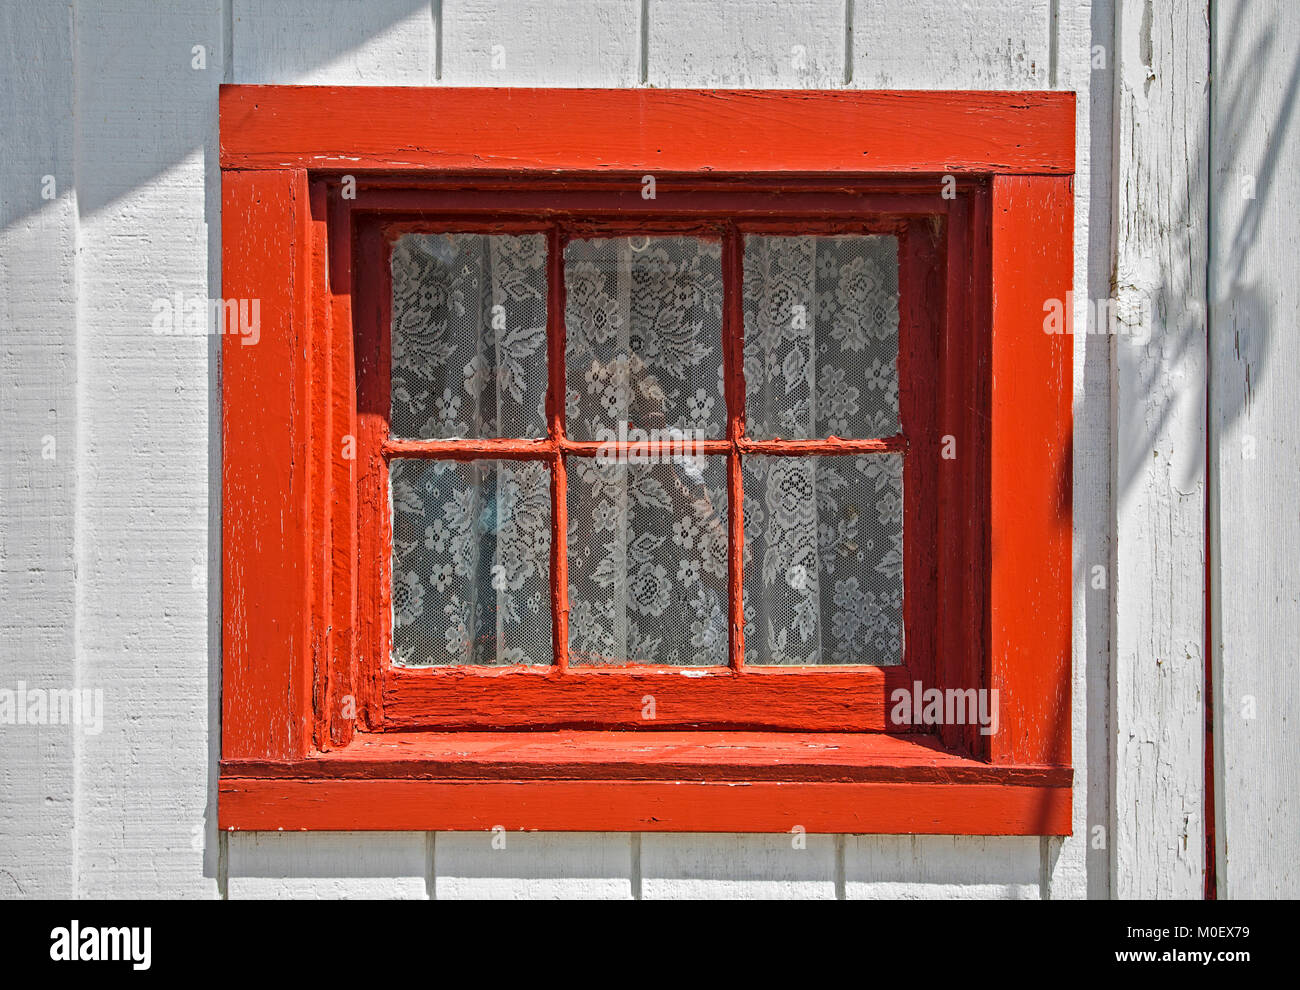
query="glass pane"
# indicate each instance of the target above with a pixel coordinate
(823, 576)
(648, 561)
(643, 319)
(471, 562)
(821, 337)
(469, 336)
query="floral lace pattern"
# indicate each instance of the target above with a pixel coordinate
(469, 336)
(823, 581)
(821, 337)
(471, 562)
(643, 319)
(648, 562)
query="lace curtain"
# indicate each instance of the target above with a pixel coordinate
(647, 542)
(823, 576)
(647, 537)
(471, 539)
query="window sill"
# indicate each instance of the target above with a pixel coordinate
(646, 781)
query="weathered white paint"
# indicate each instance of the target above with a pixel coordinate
(798, 44)
(1159, 463)
(1255, 416)
(538, 43)
(130, 812)
(977, 44)
(332, 42)
(912, 867)
(533, 865)
(704, 867)
(328, 865)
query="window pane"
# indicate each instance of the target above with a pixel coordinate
(823, 576)
(643, 319)
(469, 336)
(471, 562)
(648, 562)
(821, 337)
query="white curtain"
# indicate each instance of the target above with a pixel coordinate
(647, 541)
(471, 539)
(647, 537)
(823, 535)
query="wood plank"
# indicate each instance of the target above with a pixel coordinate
(731, 867)
(1254, 419)
(332, 42)
(146, 187)
(744, 44)
(345, 128)
(659, 755)
(509, 865)
(38, 446)
(327, 866)
(1078, 866)
(260, 803)
(539, 43)
(976, 44)
(1160, 386)
(267, 551)
(1030, 474)
(946, 867)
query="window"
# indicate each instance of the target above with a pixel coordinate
(567, 485)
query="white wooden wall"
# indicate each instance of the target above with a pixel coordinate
(109, 551)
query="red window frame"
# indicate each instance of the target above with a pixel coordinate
(320, 731)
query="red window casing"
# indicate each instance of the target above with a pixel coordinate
(320, 731)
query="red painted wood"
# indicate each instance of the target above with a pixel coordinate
(555, 392)
(266, 419)
(544, 449)
(733, 368)
(306, 539)
(667, 755)
(664, 131)
(372, 303)
(832, 699)
(340, 694)
(909, 807)
(1030, 464)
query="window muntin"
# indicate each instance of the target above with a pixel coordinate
(649, 477)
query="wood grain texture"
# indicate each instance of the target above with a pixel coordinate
(976, 44)
(344, 128)
(1254, 422)
(1160, 387)
(38, 443)
(269, 557)
(1030, 470)
(1077, 867)
(548, 805)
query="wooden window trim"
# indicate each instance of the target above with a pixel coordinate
(291, 619)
